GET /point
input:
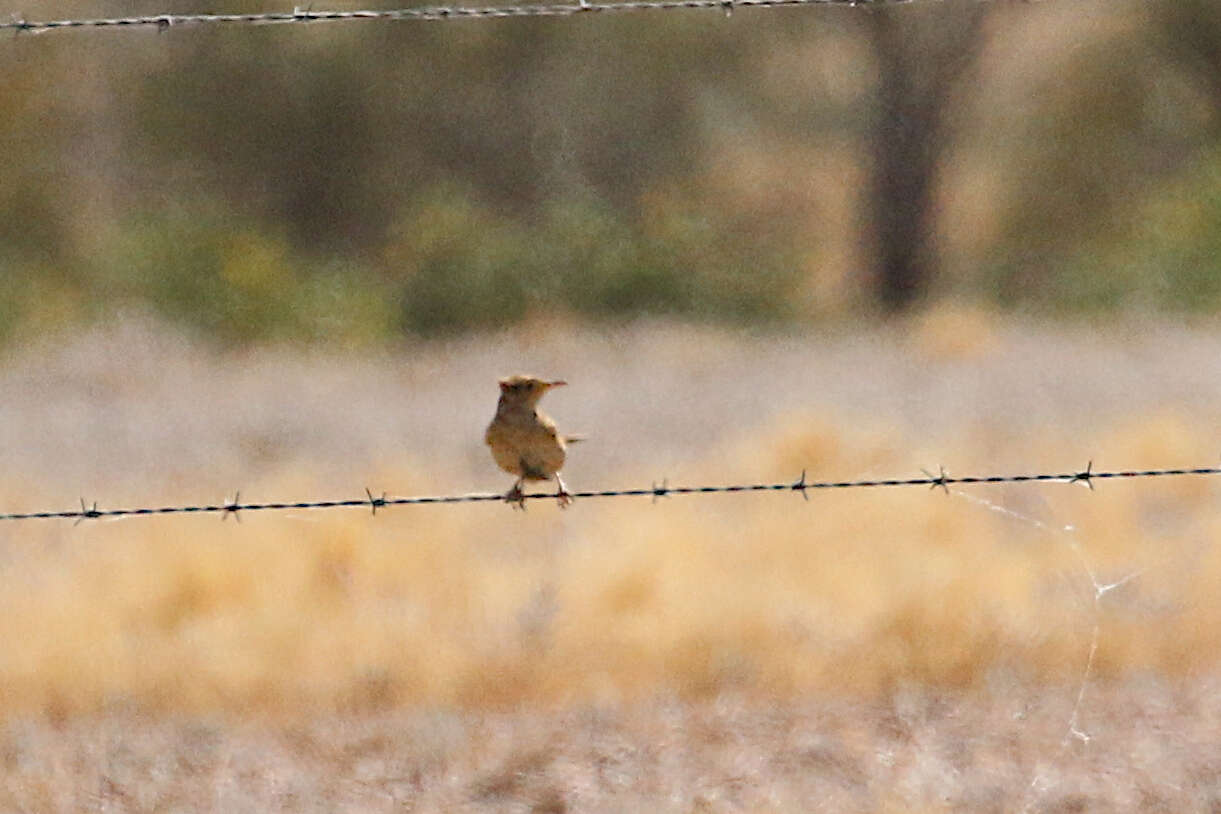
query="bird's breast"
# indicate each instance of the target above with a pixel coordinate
(526, 445)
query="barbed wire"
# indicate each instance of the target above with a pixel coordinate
(305, 15)
(941, 480)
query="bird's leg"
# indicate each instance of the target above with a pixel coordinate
(562, 495)
(516, 497)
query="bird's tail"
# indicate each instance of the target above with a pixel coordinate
(575, 439)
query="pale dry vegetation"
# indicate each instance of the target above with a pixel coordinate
(894, 650)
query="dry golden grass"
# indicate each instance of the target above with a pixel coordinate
(860, 595)
(854, 592)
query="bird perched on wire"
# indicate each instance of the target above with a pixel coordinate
(524, 441)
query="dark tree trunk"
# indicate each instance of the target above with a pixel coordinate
(920, 57)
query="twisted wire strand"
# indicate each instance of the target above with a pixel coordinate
(305, 15)
(941, 480)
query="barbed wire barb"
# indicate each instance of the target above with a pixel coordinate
(306, 14)
(1086, 476)
(943, 480)
(375, 502)
(800, 485)
(87, 514)
(232, 507)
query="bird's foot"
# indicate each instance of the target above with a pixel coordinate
(516, 497)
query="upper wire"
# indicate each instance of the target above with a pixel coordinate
(303, 15)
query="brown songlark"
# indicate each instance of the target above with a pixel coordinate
(524, 441)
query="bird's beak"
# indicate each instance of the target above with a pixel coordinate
(557, 383)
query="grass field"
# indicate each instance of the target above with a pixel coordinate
(894, 650)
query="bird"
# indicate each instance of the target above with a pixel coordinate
(525, 441)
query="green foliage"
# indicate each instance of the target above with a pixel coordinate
(459, 265)
(1174, 248)
(455, 266)
(36, 297)
(1163, 253)
(227, 281)
(12, 308)
(450, 265)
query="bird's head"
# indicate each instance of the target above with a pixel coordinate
(526, 389)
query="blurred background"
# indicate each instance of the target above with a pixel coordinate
(857, 241)
(349, 184)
